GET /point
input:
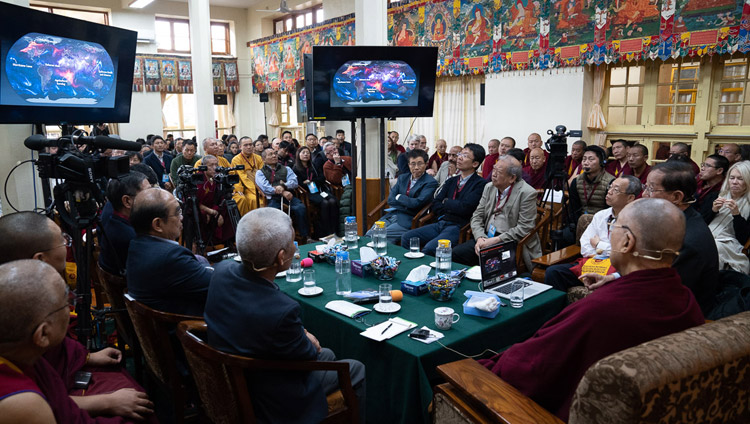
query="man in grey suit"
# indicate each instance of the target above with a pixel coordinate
(506, 212)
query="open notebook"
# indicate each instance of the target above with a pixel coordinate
(387, 329)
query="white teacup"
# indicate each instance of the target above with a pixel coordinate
(445, 318)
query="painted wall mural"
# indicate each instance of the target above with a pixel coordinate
(174, 74)
(490, 36)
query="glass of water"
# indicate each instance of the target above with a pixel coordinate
(516, 293)
(308, 279)
(414, 245)
(385, 293)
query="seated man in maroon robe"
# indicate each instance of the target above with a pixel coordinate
(534, 173)
(647, 302)
(112, 390)
(214, 221)
(34, 316)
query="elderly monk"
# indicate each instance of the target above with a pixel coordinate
(246, 193)
(506, 212)
(647, 302)
(248, 315)
(534, 141)
(34, 315)
(534, 173)
(213, 146)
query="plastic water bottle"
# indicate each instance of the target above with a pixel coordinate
(294, 273)
(443, 257)
(343, 274)
(350, 232)
(379, 239)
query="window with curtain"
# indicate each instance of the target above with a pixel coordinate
(178, 115)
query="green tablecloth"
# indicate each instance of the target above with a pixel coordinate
(401, 371)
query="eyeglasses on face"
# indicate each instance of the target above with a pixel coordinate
(614, 189)
(651, 189)
(708, 165)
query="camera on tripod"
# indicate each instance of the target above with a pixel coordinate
(189, 176)
(557, 145)
(224, 177)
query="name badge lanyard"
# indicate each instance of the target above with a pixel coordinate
(460, 187)
(585, 192)
(498, 207)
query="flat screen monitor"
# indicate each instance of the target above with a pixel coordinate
(373, 82)
(60, 70)
(301, 101)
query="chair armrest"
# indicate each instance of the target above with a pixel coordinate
(429, 216)
(377, 209)
(497, 399)
(465, 234)
(563, 255)
(416, 222)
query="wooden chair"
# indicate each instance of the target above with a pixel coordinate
(699, 375)
(421, 218)
(221, 379)
(152, 328)
(312, 210)
(114, 287)
(564, 255)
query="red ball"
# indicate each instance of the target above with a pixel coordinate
(306, 263)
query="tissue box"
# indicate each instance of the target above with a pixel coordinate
(474, 311)
(361, 269)
(414, 288)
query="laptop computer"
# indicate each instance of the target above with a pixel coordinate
(498, 266)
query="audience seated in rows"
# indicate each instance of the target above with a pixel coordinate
(506, 212)
(589, 190)
(277, 182)
(112, 392)
(160, 161)
(595, 239)
(535, 173)
(412, 192)
(454, 203)
(246, 314)
(729, 225)
(534, 142)
(162, 274)
(313, 182)
(246, 193)
(115, 231)
(647, 302)
(710, 179)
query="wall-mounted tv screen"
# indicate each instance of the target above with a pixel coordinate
(372, 82)
(55, 69)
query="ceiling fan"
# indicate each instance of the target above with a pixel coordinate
(282, 8)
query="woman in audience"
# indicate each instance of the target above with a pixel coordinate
(259, 147)
(232, 150)
(317, 192)
(730, 226)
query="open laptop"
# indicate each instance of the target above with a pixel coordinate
(498, 266)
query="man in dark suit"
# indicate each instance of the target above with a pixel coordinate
(412, 192)
(161, 273)
(248, 315)
(116, 232)
(160, 161)
(454, 203)
(412, 143)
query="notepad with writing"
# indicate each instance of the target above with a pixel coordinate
(387, 329)
(347, 308)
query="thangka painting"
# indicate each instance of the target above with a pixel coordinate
(520, 21)
(168, 75)
(138, 75)
(153, 77)
(173, 74)
(571, 22)
(185, 76)
(277, 62)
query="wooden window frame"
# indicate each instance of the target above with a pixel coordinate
(172, 21)
(294, 16)
(51, 9)
(227, 40)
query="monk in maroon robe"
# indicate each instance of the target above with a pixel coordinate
(534, 173)
(647, 302)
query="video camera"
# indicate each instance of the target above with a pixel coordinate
(188, 175)
(224, 177)
(557, 145)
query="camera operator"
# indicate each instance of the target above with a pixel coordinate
(214, 222)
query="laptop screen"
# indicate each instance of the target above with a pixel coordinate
(498, 263)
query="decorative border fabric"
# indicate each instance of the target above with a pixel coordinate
(174, 74)
(490, 36)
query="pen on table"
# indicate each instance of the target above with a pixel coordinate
(386, 328)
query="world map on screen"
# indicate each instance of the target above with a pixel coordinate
(374, 82)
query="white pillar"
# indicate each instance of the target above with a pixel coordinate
(371, 27)
(200, 39)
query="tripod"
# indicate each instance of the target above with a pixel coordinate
(192, 228)
(557, 180)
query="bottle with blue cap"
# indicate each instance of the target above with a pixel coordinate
(343, 274)
(350, 232)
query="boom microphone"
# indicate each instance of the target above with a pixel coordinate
(40, 142)
(104, 142)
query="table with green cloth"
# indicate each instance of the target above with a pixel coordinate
(400, 371)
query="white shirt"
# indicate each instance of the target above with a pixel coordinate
(598, 227)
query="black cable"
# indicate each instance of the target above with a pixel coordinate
(5, 187)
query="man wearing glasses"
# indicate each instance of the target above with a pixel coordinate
(731, 151)
(112, 391)
(161, 273)
(698, 260)
(713, 171)
(595, 239)
(647, 302)
(448, 167)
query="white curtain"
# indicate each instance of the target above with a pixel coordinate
(274, 102)
(596, 120)
(458, 118)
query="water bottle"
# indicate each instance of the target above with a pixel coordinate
(379, 239)
(350, 232)
(294, 273)
(443, 257)
(343, 274)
